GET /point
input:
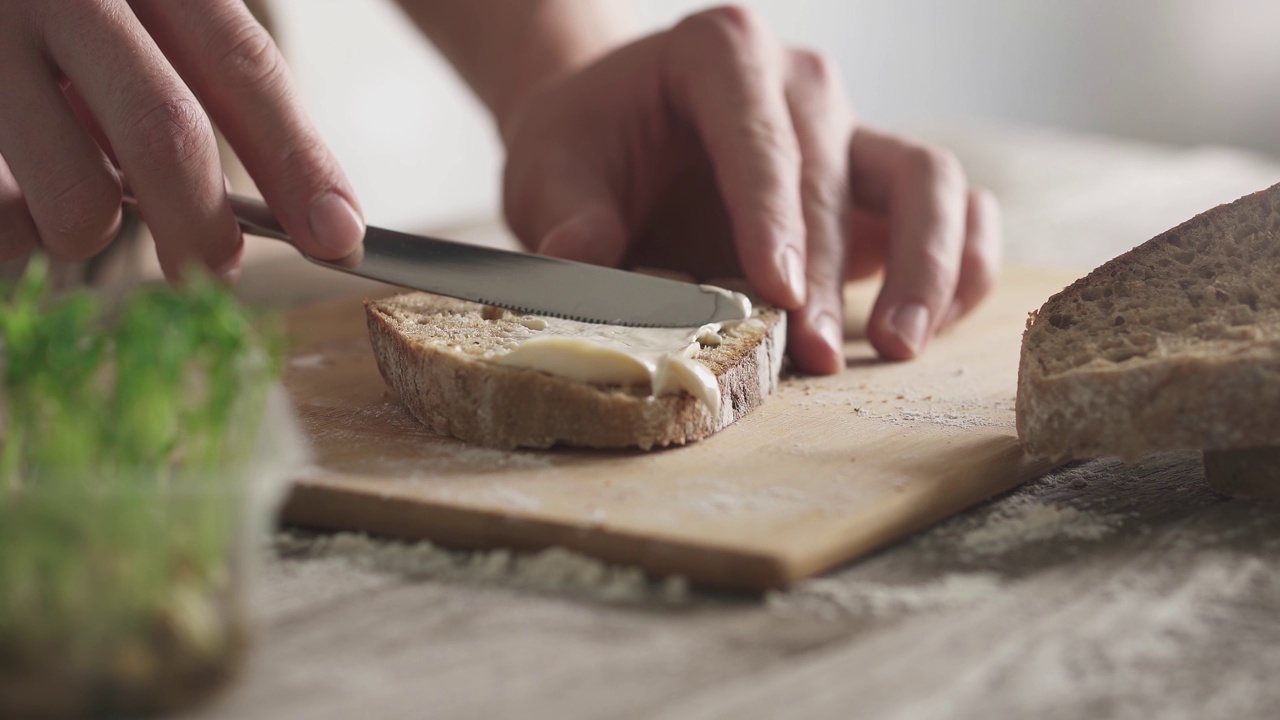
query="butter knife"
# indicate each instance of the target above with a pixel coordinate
(524, 283)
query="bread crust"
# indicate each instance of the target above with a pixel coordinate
(1189, 403)
(1184, 389)
(483, 402)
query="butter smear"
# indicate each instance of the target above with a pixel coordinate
(662, 358)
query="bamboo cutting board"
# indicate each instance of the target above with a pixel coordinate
(828, 469)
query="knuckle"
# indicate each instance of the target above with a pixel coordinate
(304, 163)
(170, 133)
(815, 68)
(736, 18)
(933, 166)
(79, 218)
(825, 189)
(246, 56)
(733, 26)
(937, 269)
(985, 199)
(785, 223)
(765, 136)
(824, 269)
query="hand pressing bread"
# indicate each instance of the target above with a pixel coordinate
(714, 149)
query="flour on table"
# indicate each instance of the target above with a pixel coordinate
(832, 598)
(1011, 525)
(1050, 512)
(556, 570)
(1017, 524)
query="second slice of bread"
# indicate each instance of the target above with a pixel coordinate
(1174, 344)
(438, 355)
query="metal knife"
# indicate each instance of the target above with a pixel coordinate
(530, 284)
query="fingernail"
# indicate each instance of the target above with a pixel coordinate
(831, 331)
(911, 324)
(335, 224)
(793, 271)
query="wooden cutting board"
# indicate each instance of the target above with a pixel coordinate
(826, 470)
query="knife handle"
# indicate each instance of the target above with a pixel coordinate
(253, 216)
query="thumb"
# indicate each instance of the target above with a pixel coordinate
(569, 213)
(593, 234)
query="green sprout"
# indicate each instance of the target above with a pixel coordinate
(125, 440)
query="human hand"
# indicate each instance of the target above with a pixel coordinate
(712, 149)
(95, 85)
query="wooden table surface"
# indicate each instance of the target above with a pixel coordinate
(1099, 590)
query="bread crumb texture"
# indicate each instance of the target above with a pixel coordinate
(1174, 344)
(438, 354)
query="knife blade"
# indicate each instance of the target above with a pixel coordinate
(524, 283)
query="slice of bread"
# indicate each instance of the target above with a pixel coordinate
(438, 355)
(1174, 344)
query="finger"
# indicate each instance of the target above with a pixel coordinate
(17, 230)
(236, 69)
(593, 235)
(867, 246)
(725, 73)
(72, 193)
(567, 213)
(823, 122)
(980, 261)
(923, 192)
(88, 122)
(159, 133)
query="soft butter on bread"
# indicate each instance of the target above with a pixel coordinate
(441, 356)
(1174, 344)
